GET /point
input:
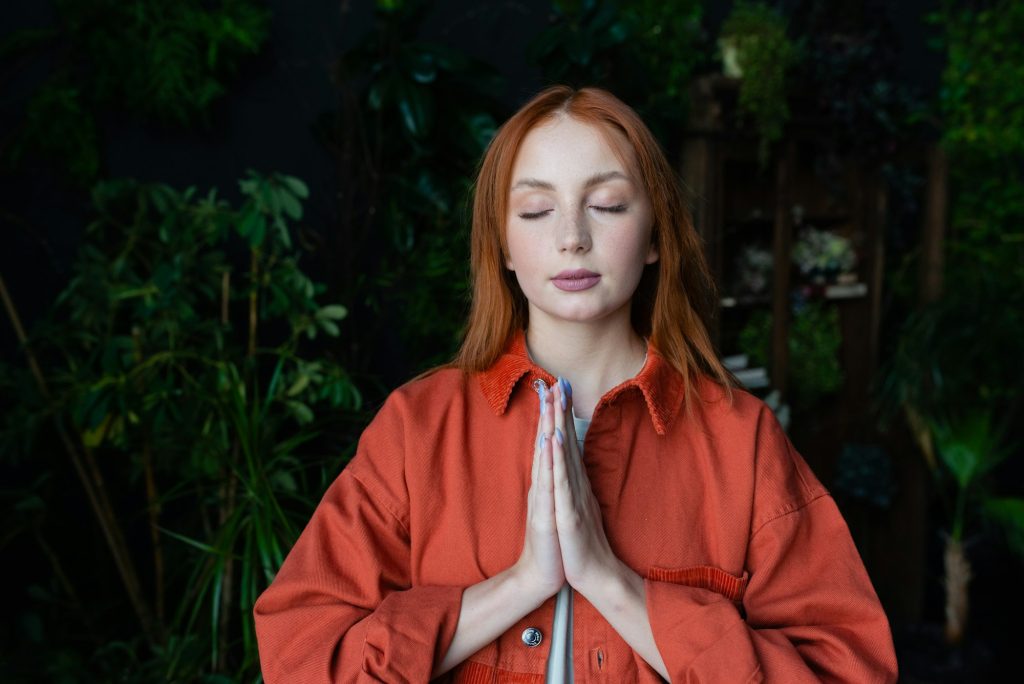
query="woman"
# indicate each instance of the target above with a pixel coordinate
(477, 534)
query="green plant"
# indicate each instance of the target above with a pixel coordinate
(415, 118)
(161, 60)
(814, 340)
(645, 52)
(959, 355)
(169, 372)
(969, 448)
(765, 54)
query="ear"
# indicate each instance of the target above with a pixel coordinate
(652, 253)
(508, 264)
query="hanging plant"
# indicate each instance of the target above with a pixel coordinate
(756, 49)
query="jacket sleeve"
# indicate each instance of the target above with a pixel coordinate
(808, 613)
(342, 608)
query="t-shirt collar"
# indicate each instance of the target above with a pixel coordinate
(658, 382)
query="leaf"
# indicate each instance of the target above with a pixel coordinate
(301, 383)
(329, 327)
(416, 106)
(333, 311)
(285, 480)
(289, 204)
(1009, 512)
(422, 67)
(301, 411)
(970, 445)
(296, 186)
(192, 542)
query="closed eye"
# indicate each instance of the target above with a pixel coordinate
(534, 214)
(617, 209)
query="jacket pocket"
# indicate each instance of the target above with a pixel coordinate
(703, 577)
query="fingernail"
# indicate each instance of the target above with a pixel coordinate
(567, 386)
(558, 437)
(543, 403)
(564, 399)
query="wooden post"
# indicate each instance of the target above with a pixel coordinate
(934, 229)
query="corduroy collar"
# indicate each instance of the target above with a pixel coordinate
(660, 384)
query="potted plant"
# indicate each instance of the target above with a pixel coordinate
(755, 48)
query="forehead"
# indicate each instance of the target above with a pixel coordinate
(564, 148)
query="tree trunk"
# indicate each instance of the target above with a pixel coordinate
(958, 577)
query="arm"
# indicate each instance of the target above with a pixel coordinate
(342, 607)
(490, 607)
(811, 614)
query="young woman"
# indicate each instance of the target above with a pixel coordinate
(581, 496)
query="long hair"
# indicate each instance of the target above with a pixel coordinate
(674, 299)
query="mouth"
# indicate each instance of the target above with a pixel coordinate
(576, 280)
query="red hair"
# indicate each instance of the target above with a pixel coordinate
(674, 300)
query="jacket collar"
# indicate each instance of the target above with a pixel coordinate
(660, 384)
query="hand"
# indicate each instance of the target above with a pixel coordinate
(539, 566)
(587, 558)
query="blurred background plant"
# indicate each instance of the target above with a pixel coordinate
(763, 54)
(181, 392)
(162, 60)
(646, 52)
(814, 340)
(414, 118)
(953, 369)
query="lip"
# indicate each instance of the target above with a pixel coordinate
(576, 280)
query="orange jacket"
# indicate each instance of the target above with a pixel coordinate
(751, 574)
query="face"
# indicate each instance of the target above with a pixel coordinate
(579, 224)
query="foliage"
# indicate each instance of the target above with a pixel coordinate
(969, 447)
(415, 119)
(982, 97)
(161, 60)
(849, 75)
(645, 52)
(187, 383)
(954, 365)
(765, 54)
(962, 351)
(814, 339)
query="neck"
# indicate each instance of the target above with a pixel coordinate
(594, 356)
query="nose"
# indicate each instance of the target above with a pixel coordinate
(574, 235)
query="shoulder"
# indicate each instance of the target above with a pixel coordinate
(431, 393)
(408, 421)
(732, 410)
(744, 424)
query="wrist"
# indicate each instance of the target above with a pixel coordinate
(523, 583)
(614, 589)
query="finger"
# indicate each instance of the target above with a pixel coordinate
(547, 418)
(543, 495)
(562, 485)
(570, 422)
(574, 465)
(541, 387)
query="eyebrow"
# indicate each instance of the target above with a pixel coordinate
(596, 179)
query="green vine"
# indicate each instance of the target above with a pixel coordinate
(765, 54)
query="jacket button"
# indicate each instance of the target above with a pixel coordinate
(532, 636)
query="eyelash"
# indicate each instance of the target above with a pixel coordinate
(617, 209)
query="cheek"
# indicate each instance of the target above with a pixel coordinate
(519, 248)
